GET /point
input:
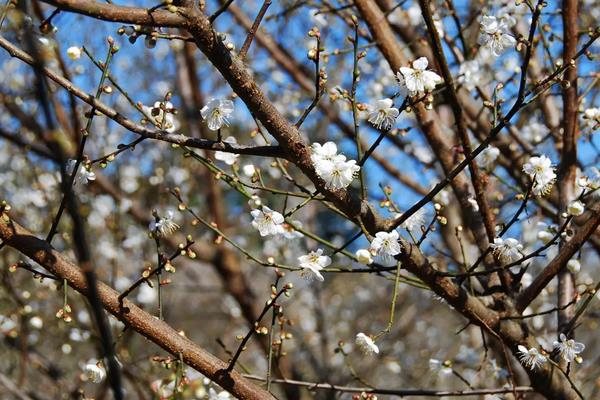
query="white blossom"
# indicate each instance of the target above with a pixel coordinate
(364, 256)
(568, 348)
(84, 175)
(576, 208)
(439, 367)
(339, 173)
(323, 152)
(495, 34)
(418, 79)
(541, 171)
(386, 244)
(161, 116)
(534, 132)
(217, 112)
(366, 344)
(163, 226)
(74, 52)
(508, 250)
(531, 358)
(94, 372)
(487, 157)
(226, 157)
(312, 263)
(383, 114)
(591, 118)
(267, 221)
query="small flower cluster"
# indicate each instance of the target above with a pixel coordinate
(495, 34)
(333, 168)
(312, 263)
(541, 171)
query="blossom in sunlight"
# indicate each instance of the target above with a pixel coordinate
(163, 226)
(216, 113)
(364, 256)
(418, 79)
(470, 74)
(568, 348)
(541, 171)
(576, 208)
(487, 157)
(383, 114)
(267, 221)
(312, 263)
(591, 118)
(74, 52)
(339, 173)
(227, 158)
(531, 358)
(366, 344)
(386, 244)
(507, 250)
(94, 372)
(333, 168)
(84, 174)
(495, 34)
(161, 115)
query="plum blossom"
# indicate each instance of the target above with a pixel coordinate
(541, 171)
(568, 348)
(333, 168)
(487, 157)
(366, 344)
(267, 221)
(94, 372)
(383, 114)
(591, 118)
(227, 158)
(312, 263)
(508, 250)
(415, 221)
(163, 226)
(161, 116)
(364, 256)
(418, 79)
(84, 174)
(495, 34)
(576, 208)
(574, 266)
(216, 113)
(531, 358)
(386, 244)
(74, 52)
(535, 131)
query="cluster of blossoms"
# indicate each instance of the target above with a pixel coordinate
(366, 344)
(495, 34)
(418, 80)
(591, 118)
(333, 168)
(161, 115)
(216, 113)
(541, 171)
(507, 250)
(312, 263)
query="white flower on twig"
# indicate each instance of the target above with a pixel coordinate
(216, 113)
(531, 358)
(226, 157)
(568, 348)
(366, 344)
(507, 250)
(383, 114)
(418, 79)
(386, 244)
(495, 34)
(267, 221)
(163, 226)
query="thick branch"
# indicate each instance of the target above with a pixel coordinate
(153, 329)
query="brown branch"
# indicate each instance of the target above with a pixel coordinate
(115, 13)
(155, 330)
(265, 151)
(254, 29)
